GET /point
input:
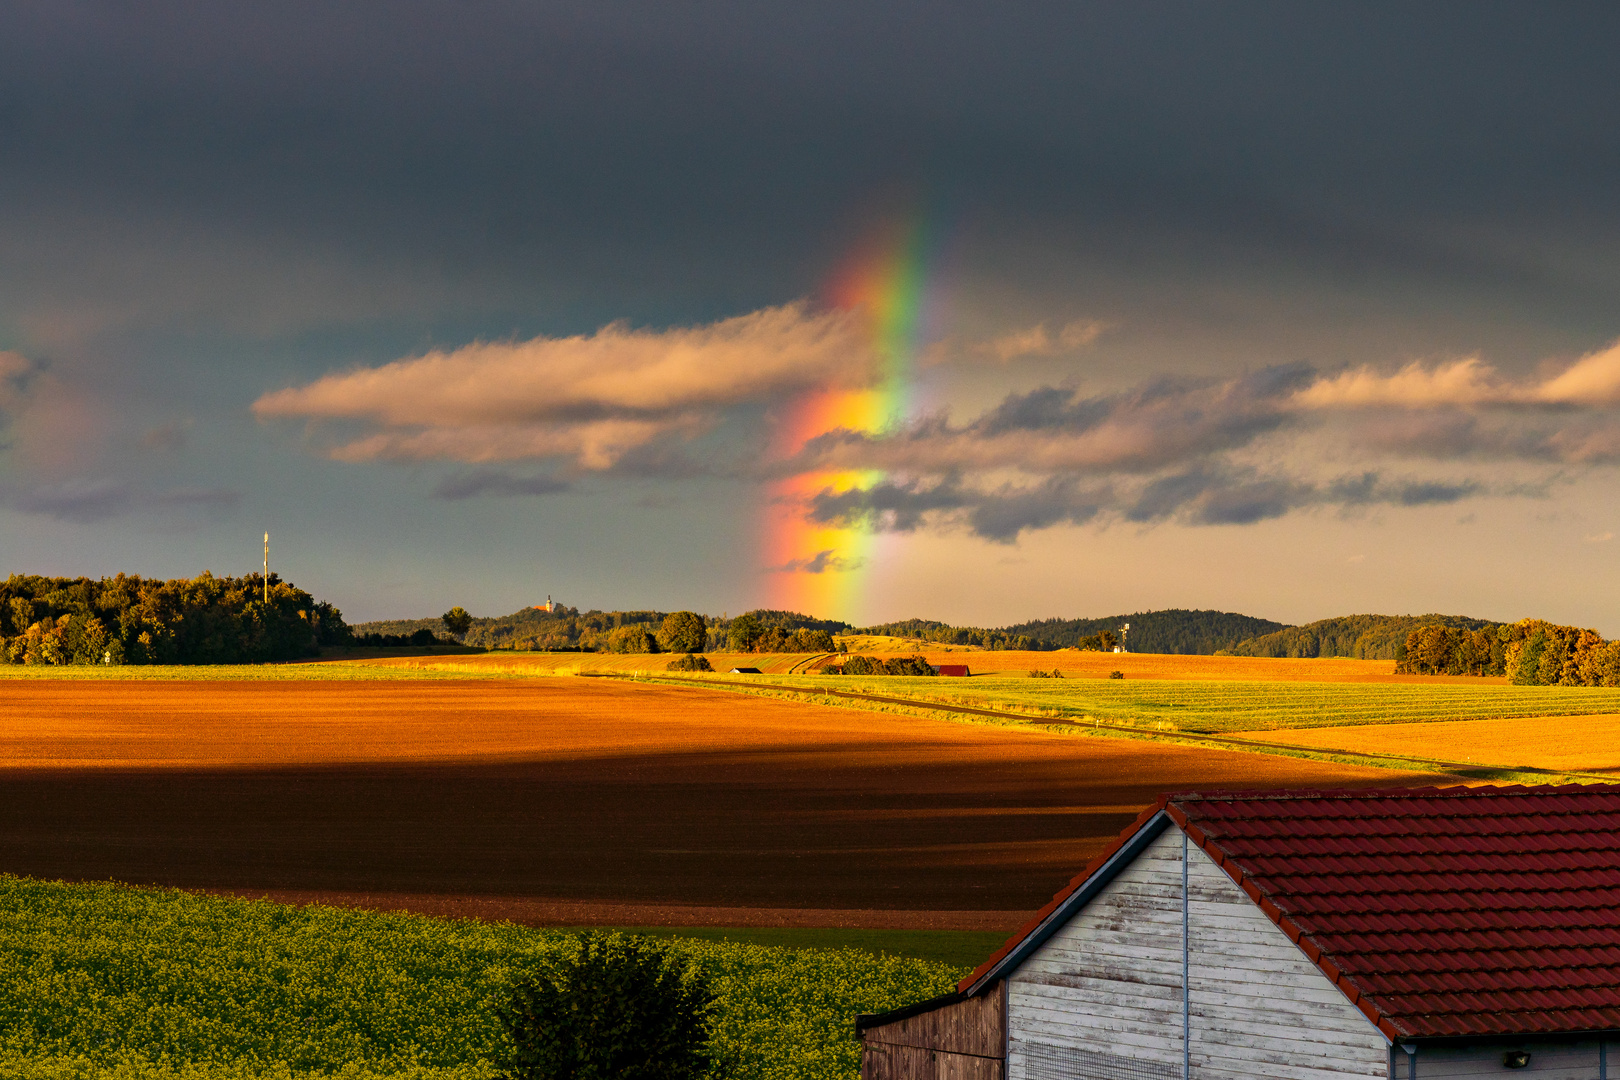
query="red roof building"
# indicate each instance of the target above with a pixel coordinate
(1308, 935)
(957, 670)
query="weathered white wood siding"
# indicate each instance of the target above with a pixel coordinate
(1548, 1061)
(1109, 985)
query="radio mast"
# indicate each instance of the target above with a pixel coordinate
(267, 570)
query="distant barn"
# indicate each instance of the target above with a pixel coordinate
(1455, 932)
(745, 671)
(959, 670)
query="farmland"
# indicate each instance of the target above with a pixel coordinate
(1586, 743)
(1216, 706)
(106, 981)
(482, 789)
(576, 801)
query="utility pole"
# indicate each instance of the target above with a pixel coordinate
(267, 570)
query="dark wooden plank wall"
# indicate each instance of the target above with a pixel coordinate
(966, 1040)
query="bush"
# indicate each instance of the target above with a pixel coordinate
(620, 1008)
(690, 662)
(1037, 673)
(872, 665)
(632, 639)
(1116, 674)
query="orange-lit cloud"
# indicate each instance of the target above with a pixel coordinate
(1037, 340)
(1593, 380)
(591, 398)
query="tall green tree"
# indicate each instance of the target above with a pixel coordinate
(682, 631)
(743, 633)
(457, 621)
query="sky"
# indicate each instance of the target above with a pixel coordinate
(979, 312)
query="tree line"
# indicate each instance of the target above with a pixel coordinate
(1175, 630)
(133, 620)
(1530, 652)
(1363, 637)
(566, 629)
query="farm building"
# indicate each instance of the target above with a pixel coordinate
(957, 670)
(1308, 935)
(744, 671)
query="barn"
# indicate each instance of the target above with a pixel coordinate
(1304, 935)
(959, 671)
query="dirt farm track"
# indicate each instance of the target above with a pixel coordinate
(575, 800)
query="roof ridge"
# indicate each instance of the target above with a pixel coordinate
(1328, 794)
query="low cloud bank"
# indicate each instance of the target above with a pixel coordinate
(1211, 451)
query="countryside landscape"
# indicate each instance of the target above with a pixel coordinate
(838, 541)
(334, 861)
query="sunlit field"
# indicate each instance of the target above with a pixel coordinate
(1584, 743)
(1211, 706)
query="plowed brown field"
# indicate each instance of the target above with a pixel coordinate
(542, 798)
(1577, 743)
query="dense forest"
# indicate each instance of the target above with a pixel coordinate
(1530, 652)
(1171, 631)
(133, 620)
(1364, 637)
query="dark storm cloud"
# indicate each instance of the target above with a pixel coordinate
(685, 162)
(1160, 423)
(1205, 496)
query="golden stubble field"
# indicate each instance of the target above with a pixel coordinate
(576, 800)
(1578, 743)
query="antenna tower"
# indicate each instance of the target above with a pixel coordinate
(266, 569)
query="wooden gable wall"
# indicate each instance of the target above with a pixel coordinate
(1103, 996)
(965, 1040)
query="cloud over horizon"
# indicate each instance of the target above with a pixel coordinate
(1232, 450)
(588, 399)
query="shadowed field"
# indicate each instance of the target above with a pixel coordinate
(575, 800)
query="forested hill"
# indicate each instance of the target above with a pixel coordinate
(134, 620)
(1366, 637)
(1172, 631)
(1175, 630)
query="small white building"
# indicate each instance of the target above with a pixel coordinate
(1320, 935)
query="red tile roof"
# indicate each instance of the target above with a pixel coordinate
(1439, 912)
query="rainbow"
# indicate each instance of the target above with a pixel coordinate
(826, 571)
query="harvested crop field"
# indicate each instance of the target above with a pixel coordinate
(1072, 663)
(1577, 743)
(548, 797)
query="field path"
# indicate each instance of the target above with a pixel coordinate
(574, 792)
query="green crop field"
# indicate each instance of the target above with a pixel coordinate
(102, 981)
(1214, 707)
